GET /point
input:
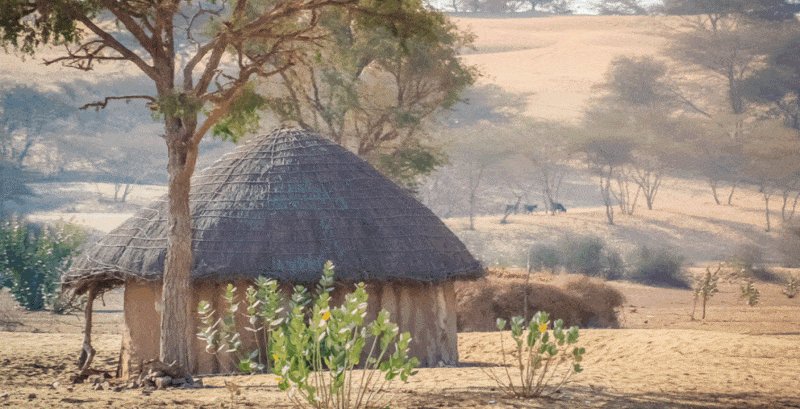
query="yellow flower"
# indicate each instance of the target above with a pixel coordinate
(326, 315)
(275, 357)
(542, 328)
(279, 380)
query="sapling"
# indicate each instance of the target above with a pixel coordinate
(792, 287)
(705, 288)
(750, 293)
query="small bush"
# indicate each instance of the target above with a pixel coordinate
(792, 287)
(614, 265)
(661, 267)
(32, 259)
(587, 255)
(544, 257)
(542, 359)
(748, 263)
(750, 294)
(705, 288)
(315, 348)
(583, 255)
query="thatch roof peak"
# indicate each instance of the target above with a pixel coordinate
(280, 205)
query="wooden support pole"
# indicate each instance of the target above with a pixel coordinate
(87, 351)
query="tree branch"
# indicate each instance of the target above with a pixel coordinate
(112, 42)
(98, 105)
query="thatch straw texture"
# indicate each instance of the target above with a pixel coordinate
(280, 205)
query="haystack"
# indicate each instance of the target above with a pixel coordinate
(279, 206)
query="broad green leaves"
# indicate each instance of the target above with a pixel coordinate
(543, 352)
(325, 356)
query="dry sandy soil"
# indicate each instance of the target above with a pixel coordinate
(555, 62)
(738, 357)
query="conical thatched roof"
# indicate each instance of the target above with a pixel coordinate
(281, 205)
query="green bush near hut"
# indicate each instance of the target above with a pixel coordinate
(32, 259)
(324, 356)
(542, 358)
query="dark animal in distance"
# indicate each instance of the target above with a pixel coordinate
(530, 208)
(557, 207)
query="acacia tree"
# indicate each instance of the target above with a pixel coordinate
(25, 113)
(201, 57)
(373, 89)
(777, 83)
(773, 163)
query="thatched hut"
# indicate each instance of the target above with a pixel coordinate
(279, 206)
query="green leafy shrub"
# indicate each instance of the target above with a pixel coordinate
(542, 358)
(325, 356)
(792, 287)
(750, 294)
(32, 259)
(661, 267)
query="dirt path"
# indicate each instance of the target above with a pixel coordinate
(624, 368)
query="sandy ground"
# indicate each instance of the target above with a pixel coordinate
(739, 356)
(555, 62)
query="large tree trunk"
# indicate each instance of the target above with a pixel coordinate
(176, 312)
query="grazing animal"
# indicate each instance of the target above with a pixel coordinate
(530, 208)
(557, 207)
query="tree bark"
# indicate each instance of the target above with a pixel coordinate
(730, 195)
(176, 312)
(766, 209)
(713, 184)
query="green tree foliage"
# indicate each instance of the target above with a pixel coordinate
(778, 82)
(512, 6)
(758, 9)
(620, 7)
(32, 258)
(373, 86)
